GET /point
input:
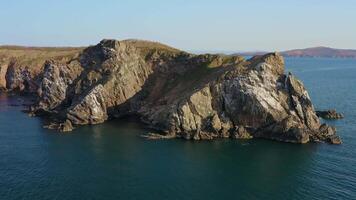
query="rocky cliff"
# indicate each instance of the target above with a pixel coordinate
(181, 95)
(21, 67)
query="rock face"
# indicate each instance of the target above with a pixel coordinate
(55, 81)
(329, 114)
(180, 95)
(3, 71)
(19, 79)
(21, 67)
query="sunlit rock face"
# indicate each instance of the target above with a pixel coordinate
(181, 95)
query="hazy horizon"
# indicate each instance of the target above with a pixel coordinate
(199, 26)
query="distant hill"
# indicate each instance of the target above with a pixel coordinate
(312, 52)
(321, 52)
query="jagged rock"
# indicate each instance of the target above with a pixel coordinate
(241, 133)
(216, 123)
(91, 109)
(198, 97)
(328, 133)
(55, 80)
(19, 79)
(326, 130)
(3, 71)
(21, 67)
(289, 129)
(334, 139)
(66, 126)
(329, 114)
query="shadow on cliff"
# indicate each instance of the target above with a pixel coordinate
(172, 85)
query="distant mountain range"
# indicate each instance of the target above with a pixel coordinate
(311, 52)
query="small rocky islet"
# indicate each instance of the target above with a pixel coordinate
(178, 94)
(329, 114)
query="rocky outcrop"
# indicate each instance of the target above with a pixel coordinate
(181, 95)
(253, 95)
(21, 67)
(19, 78)
(329, 114)
(3, 71)
(55, 81)
(92, 109)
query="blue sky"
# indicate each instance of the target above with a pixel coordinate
(197, 25)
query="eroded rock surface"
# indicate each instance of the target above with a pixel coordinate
(56, 79)
(329, 114)
(181, 95)
(21, 67)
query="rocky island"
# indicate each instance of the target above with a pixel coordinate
(329, 114)
(181, 95)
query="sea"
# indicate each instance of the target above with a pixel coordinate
(111, 160)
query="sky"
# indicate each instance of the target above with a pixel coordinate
(191, 25)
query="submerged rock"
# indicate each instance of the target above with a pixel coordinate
(198, 97)
(329, 114)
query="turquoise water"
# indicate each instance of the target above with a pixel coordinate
(111, 161)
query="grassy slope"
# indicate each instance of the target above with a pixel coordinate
(34, 57)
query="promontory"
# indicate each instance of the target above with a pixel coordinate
(178, 94)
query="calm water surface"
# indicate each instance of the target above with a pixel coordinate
(111, 161)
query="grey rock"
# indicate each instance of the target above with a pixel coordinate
(329, 114)
(55, 80)
(19, 79)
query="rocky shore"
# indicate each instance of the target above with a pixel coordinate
(181, 95)
(329, 114)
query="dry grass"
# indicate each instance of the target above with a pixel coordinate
(35, 57)
(149, 46)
